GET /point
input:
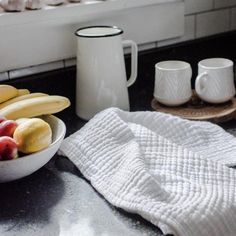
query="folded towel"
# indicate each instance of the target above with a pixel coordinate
(169, 170)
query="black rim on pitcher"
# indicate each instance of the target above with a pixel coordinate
(119, 31)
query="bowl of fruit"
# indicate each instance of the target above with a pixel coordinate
(29, 134)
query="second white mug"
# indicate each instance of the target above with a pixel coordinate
(215, 80)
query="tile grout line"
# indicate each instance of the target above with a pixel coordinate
(214, 4)
(210, 10)
(32, 70)
(64, 63)
(156, 44)
(195, 26)
(230, 19)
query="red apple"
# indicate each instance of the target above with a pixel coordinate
(8, 148)
(2, 119)
(7, 128)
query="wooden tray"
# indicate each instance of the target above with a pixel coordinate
(196, 109)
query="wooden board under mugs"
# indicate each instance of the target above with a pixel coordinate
(196, 109)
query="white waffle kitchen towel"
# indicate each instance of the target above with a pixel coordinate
(169, 170)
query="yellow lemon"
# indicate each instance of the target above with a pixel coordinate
(33, 135)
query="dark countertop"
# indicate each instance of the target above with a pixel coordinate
(57, 200)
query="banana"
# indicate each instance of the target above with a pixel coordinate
(23, 92)
(20, 98)
(35, 107)
(7, 92)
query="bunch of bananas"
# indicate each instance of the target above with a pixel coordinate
(20, 130)
(20, 103)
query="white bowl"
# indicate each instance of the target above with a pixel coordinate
(26, 165)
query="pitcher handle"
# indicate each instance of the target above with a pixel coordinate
(134, 60)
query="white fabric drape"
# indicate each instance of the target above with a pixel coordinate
(169, 170)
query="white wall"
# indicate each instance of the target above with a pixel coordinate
(201, 18)
(205, 18)
(33, 38)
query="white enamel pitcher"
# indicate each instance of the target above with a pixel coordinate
(101, 75)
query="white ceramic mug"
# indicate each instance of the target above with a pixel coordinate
(101, 75)
(215, 80)
(173, 82)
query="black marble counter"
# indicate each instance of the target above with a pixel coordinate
(57, 200)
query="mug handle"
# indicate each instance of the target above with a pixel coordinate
(200, 83)
(134, 60)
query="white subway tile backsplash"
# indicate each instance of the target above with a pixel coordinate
(214, 22)
(233, 19)
(167, 42)
(188, 35)
(201, 17)
(146, 46)
(148, 24)
(70, 62)
(141, 47)
(13, 74)
(194, 6)
(224, 3)
(3, 76)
